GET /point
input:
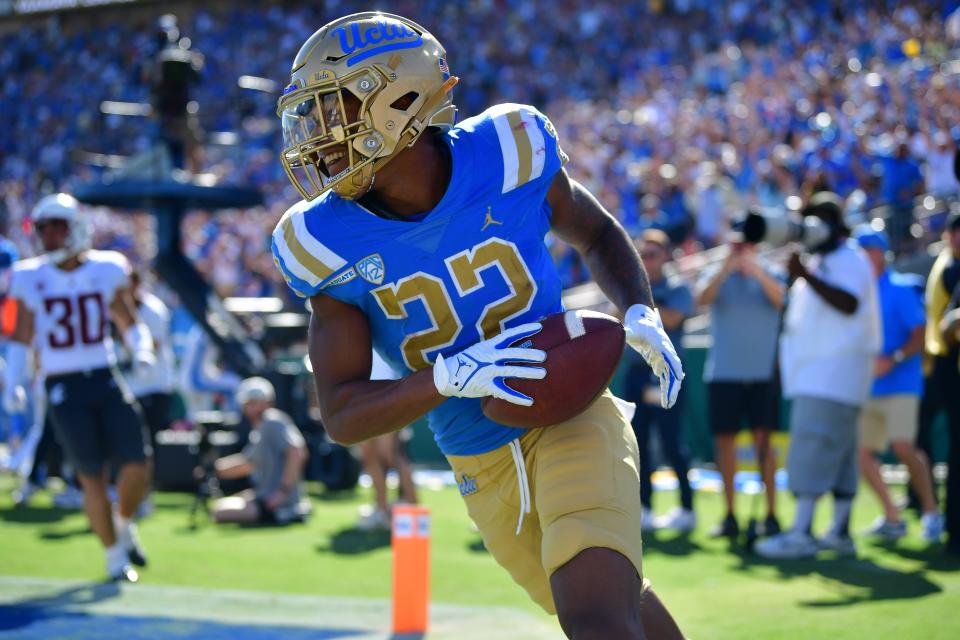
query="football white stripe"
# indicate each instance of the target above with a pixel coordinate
(508, 147)
(574, 323)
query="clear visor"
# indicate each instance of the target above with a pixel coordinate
(306, 122)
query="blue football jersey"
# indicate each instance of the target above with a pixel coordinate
(473, 266)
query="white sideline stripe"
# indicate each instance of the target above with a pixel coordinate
(370, 617)
(574, 322)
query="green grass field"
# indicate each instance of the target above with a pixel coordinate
(901, 591)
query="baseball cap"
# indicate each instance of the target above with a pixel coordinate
(870, 238)
(255, 388)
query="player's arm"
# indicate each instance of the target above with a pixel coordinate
(582, 222)
(14, 394)
(136, 335)
(579, 220)
(353, 407)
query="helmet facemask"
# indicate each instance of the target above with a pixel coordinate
(328, 140)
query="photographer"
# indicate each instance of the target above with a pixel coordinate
(830, 339)
(274, 459)
(745, 297)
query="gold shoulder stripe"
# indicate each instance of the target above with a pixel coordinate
(312, 264)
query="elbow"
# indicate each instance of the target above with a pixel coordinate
(341, 434)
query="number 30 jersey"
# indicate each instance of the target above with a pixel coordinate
(71, 309)
(468, 269)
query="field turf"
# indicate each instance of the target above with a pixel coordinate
(905, 590)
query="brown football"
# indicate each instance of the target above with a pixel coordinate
(583, 350)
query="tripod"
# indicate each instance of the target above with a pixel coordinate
(205, 474)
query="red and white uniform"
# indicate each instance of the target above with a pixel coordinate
(71, 309)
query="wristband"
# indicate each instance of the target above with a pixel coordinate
(137, 338)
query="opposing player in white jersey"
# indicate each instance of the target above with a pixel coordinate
(66, 299)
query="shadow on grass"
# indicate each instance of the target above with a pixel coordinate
(30, 610)
(852, 580)
(477, 546)
(935, 558)
(34, 515)
(59, 534)
(354, 541)
(670, 543)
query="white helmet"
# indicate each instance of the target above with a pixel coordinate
(62, 206)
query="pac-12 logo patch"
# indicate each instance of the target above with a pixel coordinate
(371, 269)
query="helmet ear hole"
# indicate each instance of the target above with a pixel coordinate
(405, 101)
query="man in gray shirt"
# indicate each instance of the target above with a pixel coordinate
(274, 460)
(745, 298)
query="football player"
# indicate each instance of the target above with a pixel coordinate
(66, 299)
(426, 240)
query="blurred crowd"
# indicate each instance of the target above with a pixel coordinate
(678, 114)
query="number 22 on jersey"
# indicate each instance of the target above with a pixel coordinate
(465, 270)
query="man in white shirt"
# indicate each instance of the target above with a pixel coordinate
(153, 386)
(830, 339)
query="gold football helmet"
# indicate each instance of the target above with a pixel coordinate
(362, 89)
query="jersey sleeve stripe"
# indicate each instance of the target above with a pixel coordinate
(310, 254)
(508, 148)
(538, 147)
(331, 261)
(293, 266)
(522, 145)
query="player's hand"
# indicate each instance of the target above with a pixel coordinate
(645, 334)
(143, 362)
(14, 399)
(481, 370)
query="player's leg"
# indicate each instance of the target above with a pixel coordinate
(584, 481)
(490, 485)
(129, 443)
(408, 490)
(96, 504)
(372, 460)
(599, 595)
(130, 448)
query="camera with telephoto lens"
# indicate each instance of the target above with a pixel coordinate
(779, 229)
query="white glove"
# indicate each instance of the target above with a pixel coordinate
(14, 399)
(645, 334)
(481, 370)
